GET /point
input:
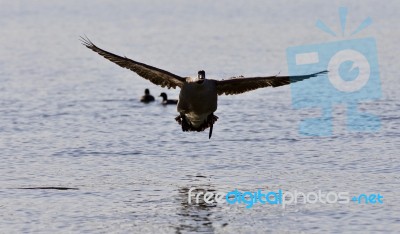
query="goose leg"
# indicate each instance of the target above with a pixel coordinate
(211, 128)
(210, 121)
(185, 124)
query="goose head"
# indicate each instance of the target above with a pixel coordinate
(147, 91)
(201, 75)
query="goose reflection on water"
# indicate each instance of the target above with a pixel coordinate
(197, 217)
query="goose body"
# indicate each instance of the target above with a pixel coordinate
(198, 98)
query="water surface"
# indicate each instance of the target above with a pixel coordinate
(71, 119)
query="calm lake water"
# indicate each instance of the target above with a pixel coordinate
(69, 118)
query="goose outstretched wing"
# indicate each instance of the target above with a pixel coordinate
(155, 75)
(241, 85)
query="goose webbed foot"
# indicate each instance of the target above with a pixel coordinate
(183, 122)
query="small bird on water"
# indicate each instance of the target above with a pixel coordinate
(198, 96)
(147, 97)
(167, 101)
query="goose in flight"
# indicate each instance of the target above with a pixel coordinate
(167, 101)
(198, 96)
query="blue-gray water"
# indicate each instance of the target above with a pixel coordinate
(69, 118)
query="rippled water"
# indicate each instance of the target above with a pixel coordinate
(71, 119)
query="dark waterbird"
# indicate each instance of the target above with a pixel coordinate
(147, 97)
(198, 96)
(167, 101)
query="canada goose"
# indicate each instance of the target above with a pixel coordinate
(198, 96)
(167, 101)
(147, 97)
